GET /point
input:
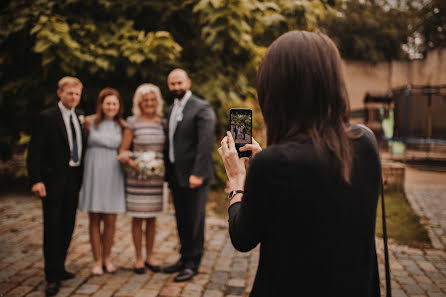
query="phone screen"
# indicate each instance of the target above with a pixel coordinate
(240, 126)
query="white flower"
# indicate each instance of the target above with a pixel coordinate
(149, 164)
(148, 156)
(81, 119)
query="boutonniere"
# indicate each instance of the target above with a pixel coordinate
(81, 119)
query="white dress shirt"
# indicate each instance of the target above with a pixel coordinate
(175, 117)
(66, 118)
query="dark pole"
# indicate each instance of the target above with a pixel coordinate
(386, 249)
(406, 113)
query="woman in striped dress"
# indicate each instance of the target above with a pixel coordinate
(144, 134)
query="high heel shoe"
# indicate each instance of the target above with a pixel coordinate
(153, 268)
(139, 270)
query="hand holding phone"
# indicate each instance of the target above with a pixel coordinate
(240, 126)
(254, 147)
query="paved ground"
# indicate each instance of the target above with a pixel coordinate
(224, 271)
(426, 191)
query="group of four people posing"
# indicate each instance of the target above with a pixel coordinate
(76, 161)
(309, 199)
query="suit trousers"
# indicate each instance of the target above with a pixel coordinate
(59, 215)
(190, 212)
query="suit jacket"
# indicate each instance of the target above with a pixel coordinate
(193, 142)
(49, 151)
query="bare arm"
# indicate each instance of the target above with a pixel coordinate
(88, 121)
(246, 211)
(124, 148)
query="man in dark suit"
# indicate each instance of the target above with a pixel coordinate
(191, 128)
(55, 169)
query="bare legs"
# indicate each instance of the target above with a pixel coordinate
(137, 241)
(107, 240)
(101, 243)
(137, 234)
(150, 238)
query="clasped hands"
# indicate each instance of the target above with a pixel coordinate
(124, 158)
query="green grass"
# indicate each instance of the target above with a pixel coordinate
(403, 225)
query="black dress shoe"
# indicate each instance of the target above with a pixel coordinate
(139, 270)
(52, 288)
(67, 275)
(185, 275)
(154, 268)
(174, 267)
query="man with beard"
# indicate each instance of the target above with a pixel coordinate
(188, 157)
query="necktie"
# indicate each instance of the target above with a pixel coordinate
(74, 140)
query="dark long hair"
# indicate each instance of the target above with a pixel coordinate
(301, 91)
(100, 113)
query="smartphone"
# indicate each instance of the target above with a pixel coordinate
(240, 126)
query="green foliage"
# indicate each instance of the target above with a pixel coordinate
(368, 30)
(220, 43)
(122, 44)
(430, 23)
(43, 41)
(240, 120)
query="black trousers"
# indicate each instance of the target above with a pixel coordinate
(59, 216)
(190, 212)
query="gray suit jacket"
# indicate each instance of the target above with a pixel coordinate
(193, 142)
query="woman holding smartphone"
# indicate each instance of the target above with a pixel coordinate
(309, 199)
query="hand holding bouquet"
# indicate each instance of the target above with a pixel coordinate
(146, 164)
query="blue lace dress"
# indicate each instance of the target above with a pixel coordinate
(103, 182)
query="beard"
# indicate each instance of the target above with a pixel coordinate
(177, 94)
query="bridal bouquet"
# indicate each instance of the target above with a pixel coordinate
(147, 164)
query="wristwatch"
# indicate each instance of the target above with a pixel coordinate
(233, 193)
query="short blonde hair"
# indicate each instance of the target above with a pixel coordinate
(140, 92)
(69, 81)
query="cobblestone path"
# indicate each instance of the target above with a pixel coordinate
(224, 271)
(426, 192)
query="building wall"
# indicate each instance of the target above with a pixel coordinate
(378, 78)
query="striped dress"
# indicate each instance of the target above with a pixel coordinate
(144, 198)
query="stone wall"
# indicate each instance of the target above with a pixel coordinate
(378, 78)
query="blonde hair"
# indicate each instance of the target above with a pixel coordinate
(140, 92)
(69, 81)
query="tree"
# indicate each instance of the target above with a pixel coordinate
(369, 30)
(122, 44)
(430, 23)
(45, 40)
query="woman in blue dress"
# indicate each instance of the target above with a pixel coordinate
(102, 194)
